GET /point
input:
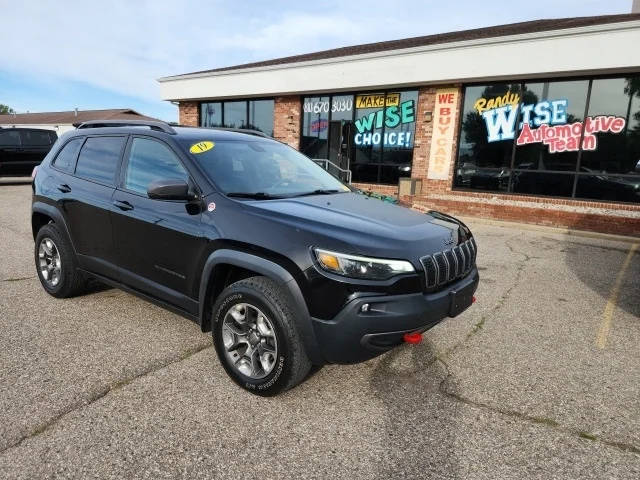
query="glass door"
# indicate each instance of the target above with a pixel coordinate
(340, 130)
(335, 140)
(327, 131)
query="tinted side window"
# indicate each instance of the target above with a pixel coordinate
(66, 159)
(36, 138)
(99, 158)
(9, 138)
(150, 160)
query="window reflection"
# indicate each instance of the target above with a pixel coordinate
(234, 115)
(369, 133)
(558, 152)
(368, 152)
(607, 187)
(547, 99)
(484, 164)
(315, 127)
(261, 116)
(616, 153)
(211, 114)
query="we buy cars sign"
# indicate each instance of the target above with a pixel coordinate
(444, 120)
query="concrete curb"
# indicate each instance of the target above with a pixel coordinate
(556, 230)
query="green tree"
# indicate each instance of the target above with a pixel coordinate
(6, 109)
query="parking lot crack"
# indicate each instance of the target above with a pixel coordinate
(519, 277)
(103, 392)
(543, 421)
(18, 279)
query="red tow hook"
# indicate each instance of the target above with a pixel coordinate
(473, 299)
(412, 338)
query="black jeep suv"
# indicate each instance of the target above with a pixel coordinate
(287, 266)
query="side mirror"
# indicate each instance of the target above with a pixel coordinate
(638, 166)
(169, 189)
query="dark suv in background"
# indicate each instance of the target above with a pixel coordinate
(287, 266)
(22, 149)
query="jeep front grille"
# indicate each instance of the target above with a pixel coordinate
(446, 266)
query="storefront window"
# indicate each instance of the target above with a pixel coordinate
(547, 104)
(342, 108)
(315, 127)
(614, 100)
(399, 131)
(533, 138)
(235, 114)
(252, 114)
(615, 153)
(368, 133)
(211, 114)
(484, 157)
(261, 116)
(371, 133)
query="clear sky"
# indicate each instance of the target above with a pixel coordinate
(59, 55)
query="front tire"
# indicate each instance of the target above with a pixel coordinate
(256, 338)
(56, 263)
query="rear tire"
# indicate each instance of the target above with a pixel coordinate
(56, 263)
(256, 338)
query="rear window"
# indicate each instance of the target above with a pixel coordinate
(66, 159)
(37, 138)
(9, 138)
(99, 159)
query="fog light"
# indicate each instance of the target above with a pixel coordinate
(364, 308)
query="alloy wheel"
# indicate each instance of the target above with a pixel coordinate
(249, 340)
(49, 261)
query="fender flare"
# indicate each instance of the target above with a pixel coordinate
(278, 274)
(55, 214)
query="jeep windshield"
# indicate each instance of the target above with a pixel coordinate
(262, 170)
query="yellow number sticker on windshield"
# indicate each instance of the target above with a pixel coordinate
(201, 147)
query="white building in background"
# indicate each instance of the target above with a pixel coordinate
(61, 122)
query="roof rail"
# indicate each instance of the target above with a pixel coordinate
(246, 131)
(153, 125)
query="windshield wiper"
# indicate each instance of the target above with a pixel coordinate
(321, 191)
(254, 195)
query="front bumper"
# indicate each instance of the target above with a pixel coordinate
(355, 336)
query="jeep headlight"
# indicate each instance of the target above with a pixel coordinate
(355, 266)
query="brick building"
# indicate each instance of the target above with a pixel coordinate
(535, 122)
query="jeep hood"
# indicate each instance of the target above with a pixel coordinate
(363, 225)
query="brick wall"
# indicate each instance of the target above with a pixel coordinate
(384, 189)
(286, 121)
(188, 113)
(621, 219)
(424, 131)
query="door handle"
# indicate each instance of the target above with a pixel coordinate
(123, 205)
(64, 188)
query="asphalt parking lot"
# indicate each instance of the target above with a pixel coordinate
(539, 379)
